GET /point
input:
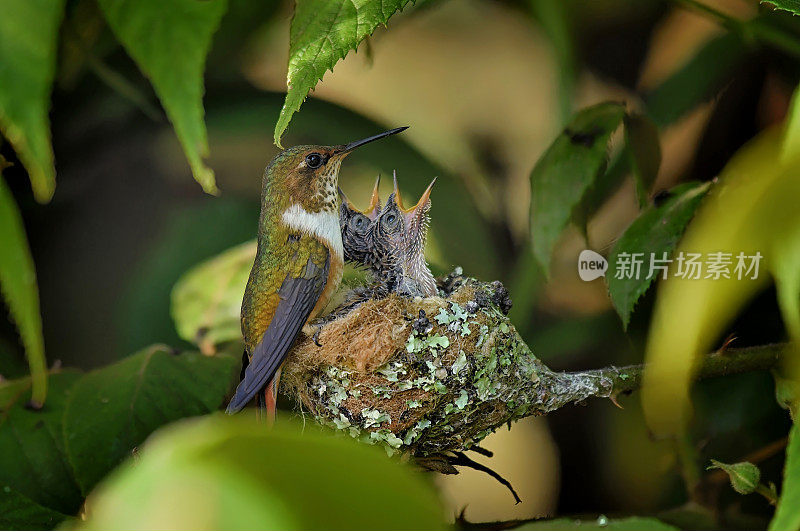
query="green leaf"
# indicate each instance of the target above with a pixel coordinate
(28, 43)
(322, 33)
(741, 216)
(644, 150)
(19, 288)
(33, 461)
(744, 476)
(655, 232)
(112, 410)
(624, 524)
(207, 300)
(555, 19)
(169, 42)
(232, 473)
(696, 81)
(787, 517)
(565, 172)
(792, 6)
(20, 512)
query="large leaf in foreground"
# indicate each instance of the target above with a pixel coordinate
(112, 410)
(233, 473)
(28, 41)
(19, 289)
(787, 516)
(32, 456)
(322, 33)
(655, 232)
(20, 512)
(206, 301)
(741, 214)
(566, 171)
(169, 41)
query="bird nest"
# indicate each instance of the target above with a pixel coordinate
(427, 375)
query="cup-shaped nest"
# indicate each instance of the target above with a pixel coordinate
(426, 376)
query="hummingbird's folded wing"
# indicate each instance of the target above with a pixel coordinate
(298, 296)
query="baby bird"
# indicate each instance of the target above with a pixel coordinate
(355, 224)
(397, 238)
(389, 242)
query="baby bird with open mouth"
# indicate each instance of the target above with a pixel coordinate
(390, 242)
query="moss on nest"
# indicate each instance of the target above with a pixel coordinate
(427, 376)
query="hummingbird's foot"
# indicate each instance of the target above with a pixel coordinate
(315, 337)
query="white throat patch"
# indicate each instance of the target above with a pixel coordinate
(322, 225)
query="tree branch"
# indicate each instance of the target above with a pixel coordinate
(722, 363)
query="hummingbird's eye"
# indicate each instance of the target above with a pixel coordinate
(358, 222)
(314, 160)
(390, 219)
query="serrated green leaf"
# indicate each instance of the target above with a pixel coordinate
(19, 288)
(322, 33)
(33, 461)
(792, 6)
(169, 41)
(566, 171)
(644, 150)
(787, 517)
(20, 512)
(655, 232)
(112, 410)
(206, 301)
(744, 476)
(28, 43)
(224, 472)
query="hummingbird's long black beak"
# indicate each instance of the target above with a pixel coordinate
(358, 143)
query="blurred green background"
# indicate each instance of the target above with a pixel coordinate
(485, 86)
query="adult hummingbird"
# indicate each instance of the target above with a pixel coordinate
(298, 264)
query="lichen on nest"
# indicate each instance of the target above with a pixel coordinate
(428, 376)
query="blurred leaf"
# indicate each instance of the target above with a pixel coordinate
(233, 473)
(655, 232)
(787, 517)
(699, 79)
(19, 512)
(644, 150)
(33, 461)
(19, 288)
(792, 6)
(147, 29)
(566, 170)
(112, 410)
(791, 140)
(207, 300)
(322, 33)
(744, 476)
(28, 42)
(625, 524)
(554, 18)
(742, 214)
(188, 236)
